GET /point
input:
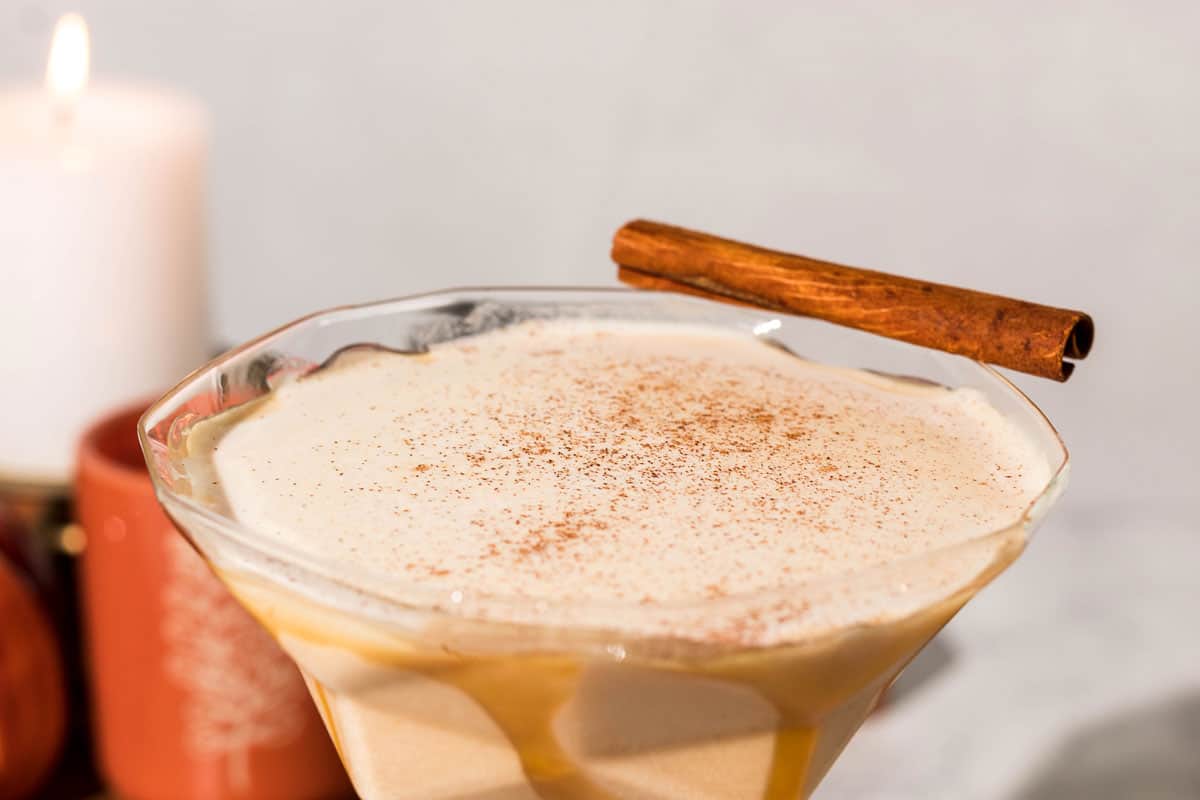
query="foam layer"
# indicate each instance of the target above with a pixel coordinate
(624, 464)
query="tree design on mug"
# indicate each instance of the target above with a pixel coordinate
(241, 690)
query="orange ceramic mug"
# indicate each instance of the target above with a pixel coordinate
(192, 699)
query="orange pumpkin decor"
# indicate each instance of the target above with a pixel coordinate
(32, 697)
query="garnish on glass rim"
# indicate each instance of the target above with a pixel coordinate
(1016, 334)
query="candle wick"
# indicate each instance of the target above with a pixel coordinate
(63, 114)
(64, 133)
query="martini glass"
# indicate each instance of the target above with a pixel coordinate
(466, 695)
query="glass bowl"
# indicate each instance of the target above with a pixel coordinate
(465, 694)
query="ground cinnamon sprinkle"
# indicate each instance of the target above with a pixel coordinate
(587, 461)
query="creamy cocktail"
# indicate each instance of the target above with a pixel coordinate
(596, 555)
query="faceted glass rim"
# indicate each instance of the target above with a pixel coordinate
(457, 604)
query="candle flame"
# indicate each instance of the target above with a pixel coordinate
(70, 53)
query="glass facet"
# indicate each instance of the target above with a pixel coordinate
(425, 697)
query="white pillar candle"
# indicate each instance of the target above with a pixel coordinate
(102, 253)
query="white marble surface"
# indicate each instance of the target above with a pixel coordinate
(1075, 676)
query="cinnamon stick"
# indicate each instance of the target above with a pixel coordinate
(1023, 336)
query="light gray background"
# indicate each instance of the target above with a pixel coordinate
(1048, 151)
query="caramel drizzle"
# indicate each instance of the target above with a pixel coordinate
(524, 694)
(524, 701)
(821, 693)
